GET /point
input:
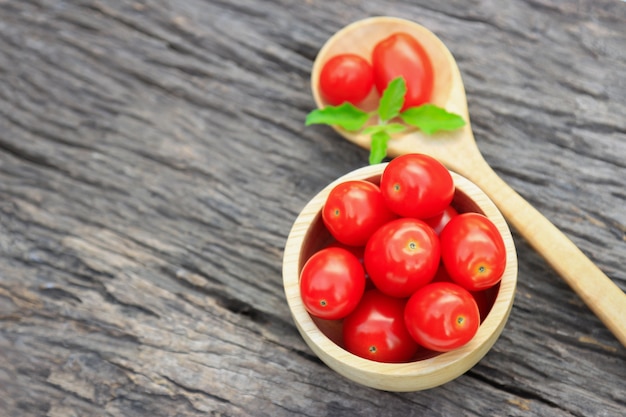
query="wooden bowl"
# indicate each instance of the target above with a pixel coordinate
(428, 370)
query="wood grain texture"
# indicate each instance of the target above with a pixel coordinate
(153, 158)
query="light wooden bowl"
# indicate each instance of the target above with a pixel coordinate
(309, 234)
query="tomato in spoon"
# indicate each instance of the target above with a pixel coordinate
(402, 55)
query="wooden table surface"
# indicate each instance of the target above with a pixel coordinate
(153, 157)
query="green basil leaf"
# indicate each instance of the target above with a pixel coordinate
(390, 128)
(378, 147)
(345, 115)
(430, 118)
(392, 99)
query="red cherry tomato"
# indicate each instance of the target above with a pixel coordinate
(354, 210)
(332, 283)
(417, 185)
(346, 77)
(473, 251)
(484, 298)
(442, 316)
(402, 256)
(402, 55)
(440, 220)
(375, 330)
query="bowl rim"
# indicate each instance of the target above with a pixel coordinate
(409, 376)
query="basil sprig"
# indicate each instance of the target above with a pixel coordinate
(429, 118)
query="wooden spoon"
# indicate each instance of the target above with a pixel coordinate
(459, 152)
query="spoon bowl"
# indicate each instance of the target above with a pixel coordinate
(458, 151)
(361, 37)
(448, 91)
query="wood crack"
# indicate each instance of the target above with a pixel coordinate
(521, 392)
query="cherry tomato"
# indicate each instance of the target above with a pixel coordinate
(473, 251)
(402, 55)
(442, 316)
(440, 220)
(354, 210)
(484, 298)
(346, 77)
(375, 330)
(332, 283)
(417, 185)
(357, 251)
(402, 256)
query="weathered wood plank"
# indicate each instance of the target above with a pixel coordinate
(153, 157)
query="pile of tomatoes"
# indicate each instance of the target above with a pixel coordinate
(351, 77)
(404, 269)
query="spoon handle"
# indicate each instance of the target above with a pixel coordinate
(595, 288)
